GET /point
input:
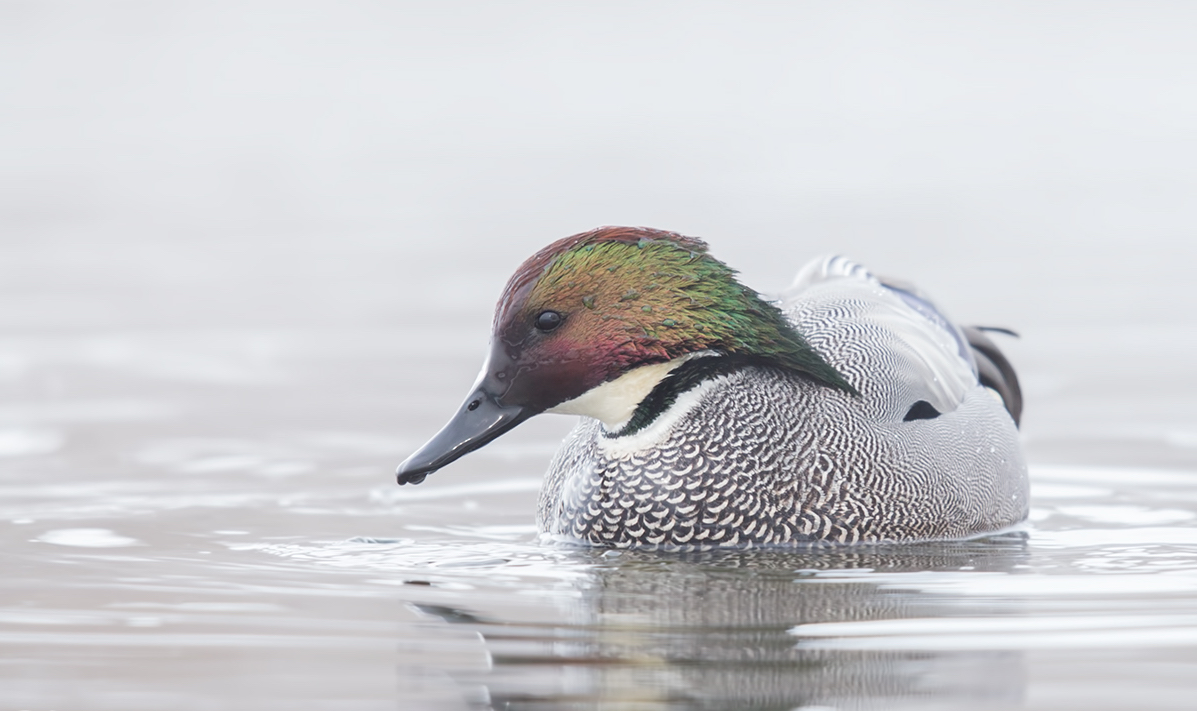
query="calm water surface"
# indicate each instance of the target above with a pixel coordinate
(208, 520)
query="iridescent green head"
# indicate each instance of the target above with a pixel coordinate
(588, 309)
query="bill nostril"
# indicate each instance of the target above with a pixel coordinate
(474, 405)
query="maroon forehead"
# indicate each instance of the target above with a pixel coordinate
(536, 265)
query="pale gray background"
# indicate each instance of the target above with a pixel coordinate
(1032, 163)
(314, 165)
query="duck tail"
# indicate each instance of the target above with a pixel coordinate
(993, 370)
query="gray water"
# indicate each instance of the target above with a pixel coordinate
(247, 262)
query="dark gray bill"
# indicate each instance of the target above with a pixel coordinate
(480, 420)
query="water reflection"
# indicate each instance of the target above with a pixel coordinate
(705, 631)
(1101, 577)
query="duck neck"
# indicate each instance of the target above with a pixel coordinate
(638, 398)
(616, 401)
(685, 377)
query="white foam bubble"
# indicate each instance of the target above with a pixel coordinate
(87, 538)
(25, 442)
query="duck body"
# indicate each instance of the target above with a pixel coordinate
(764, 457)
(879, 421)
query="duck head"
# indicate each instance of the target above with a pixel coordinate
(591, 323)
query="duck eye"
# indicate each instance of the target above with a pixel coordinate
(547, 321)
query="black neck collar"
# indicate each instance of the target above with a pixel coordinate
(683, 378)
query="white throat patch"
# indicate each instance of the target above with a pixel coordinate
(656, 433)
(613, 402)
